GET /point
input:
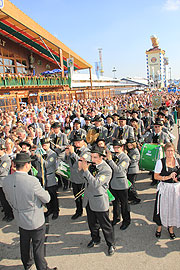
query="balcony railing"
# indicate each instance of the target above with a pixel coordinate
(21, 81)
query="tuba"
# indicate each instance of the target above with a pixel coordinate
(92, 136)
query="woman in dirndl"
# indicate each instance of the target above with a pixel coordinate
(167, 204)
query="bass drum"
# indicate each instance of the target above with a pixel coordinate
(149, 155)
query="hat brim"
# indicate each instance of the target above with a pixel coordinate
(158, 124)
(23, 143)
(96, 152)
(23, 161)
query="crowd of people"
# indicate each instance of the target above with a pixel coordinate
(100, 140)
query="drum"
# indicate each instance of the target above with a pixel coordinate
(149, 154)
(64, 170)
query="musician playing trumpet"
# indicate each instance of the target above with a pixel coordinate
(119, 183)
(72, 155)
(96, 177)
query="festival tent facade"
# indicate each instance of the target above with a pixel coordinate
(27, 50)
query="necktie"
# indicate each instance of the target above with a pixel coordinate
(78, 152)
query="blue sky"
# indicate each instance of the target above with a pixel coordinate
(121, 28)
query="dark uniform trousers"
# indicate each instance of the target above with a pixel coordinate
(76, 189)
(33, 241)
(53, 205)
(132, 193)
(97, 220)
(6, 207)
(120, 205)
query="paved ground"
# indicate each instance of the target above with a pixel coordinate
(137, 247)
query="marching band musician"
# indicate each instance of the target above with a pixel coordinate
(5, 164)
(169, 116)
(157, 137)
(49, 166)
(123, 131)
(137, 131)
(133, 169)
(110, 127)
(103, 132)
(115, 118)
(26, 196)
(88, 124)
(58, 138)
(140, 122)
(77, 128)
(96, 178)
(147, 120)
(25, 147)
(72, 155)
(59, 141)
(119, 183)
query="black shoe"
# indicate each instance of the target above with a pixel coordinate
(48, 213)
(54, 268)
(158, 234)
(115, 221)
(65, 188)
(55, 216)
(153, 183)
(111, 250)
(172, 235)
(76, 215)
(93, 243)
(136, 201)
(124, 226)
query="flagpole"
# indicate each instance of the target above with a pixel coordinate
(42, 168)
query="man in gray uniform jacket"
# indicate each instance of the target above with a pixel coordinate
(103, 132)
(50, 166)
(73, 154)
(123, 131)
(110, 127)
(119, 183)
(26, 197)
(158, 136)
(5, 164)
(97, 177)
(59, 141)
(77, 128)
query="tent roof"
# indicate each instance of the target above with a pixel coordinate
(16, 25)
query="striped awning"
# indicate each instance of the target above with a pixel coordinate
(17, 26)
